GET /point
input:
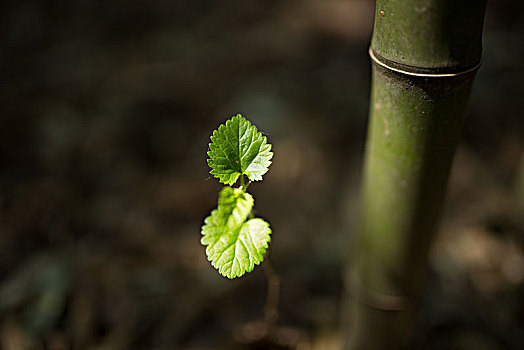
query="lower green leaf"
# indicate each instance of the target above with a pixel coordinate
(235, 250)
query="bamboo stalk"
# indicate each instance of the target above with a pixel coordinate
(425, 55)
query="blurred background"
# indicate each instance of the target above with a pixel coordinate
(106, 109)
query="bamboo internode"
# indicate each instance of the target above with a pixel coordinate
(424, 60)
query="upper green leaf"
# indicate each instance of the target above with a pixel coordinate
(238, 148)
(234, 246)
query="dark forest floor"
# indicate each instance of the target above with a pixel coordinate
(105, 116)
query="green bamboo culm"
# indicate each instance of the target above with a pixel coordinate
(424, 55)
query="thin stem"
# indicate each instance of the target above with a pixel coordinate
(242, 182)
(273, 295)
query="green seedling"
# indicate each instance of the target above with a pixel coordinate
(235, 240)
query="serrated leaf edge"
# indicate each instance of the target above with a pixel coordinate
(228, 270)
(231, 178)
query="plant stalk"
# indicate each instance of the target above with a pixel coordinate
(425, 56)
(273, 296)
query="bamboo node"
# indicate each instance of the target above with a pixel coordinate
(422, 75)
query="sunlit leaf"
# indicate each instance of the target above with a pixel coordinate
(238, 148)
(234, 245)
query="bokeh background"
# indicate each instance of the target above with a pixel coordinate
(106, 108)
